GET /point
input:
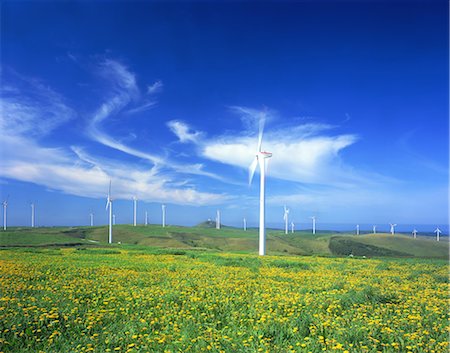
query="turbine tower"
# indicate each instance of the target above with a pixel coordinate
(32, 215)
(109, 205)
(91, 216)
(260, 159)
(5, 206)
(146, 218)
(114, 219)
(438, 232)
(392, 228)
(218, 219)
(292, 227)
(313, 224)
(286, 218)
(245, 225)
(134, 210)
(357, 229)
(414, 233)
(163, 208)
(374, 229)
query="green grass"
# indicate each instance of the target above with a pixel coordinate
(230, 239)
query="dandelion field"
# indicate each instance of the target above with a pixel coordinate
(131, 300)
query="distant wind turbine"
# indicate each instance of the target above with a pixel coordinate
(5, 206)
(357, 229)
(414, 233)
(91, 216)
(218, 219)
(114, 219)
(134, 210)
(33, 214)
(245, 225)
(286, 217)
(163, 208)
(392, 228)
(292, 227)
(146, 218)
(313, 224)
(109, 205)
(374, 229)
(438, 232)
(260, 159)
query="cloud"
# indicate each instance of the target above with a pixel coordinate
(156, 87)
(30, 107)
(183, 131)
(33, 110)
(302, 153)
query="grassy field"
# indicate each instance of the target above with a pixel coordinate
(166, 300)
(232, 240)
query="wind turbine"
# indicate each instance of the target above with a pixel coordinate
(438, 232)
(313, 224)
(5, 206)
(392, 228)
(292, 227)
(357, 229)
(134, 210)
(91, 216)
(245, 225)
(114, 219)
(32, 215)
(109, 205)
(163, 208)
(146, 218)
(285, 217)
(414, 232)
(260, 159)
(374, 229)
(218, 219)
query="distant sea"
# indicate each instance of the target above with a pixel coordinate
(425, 229)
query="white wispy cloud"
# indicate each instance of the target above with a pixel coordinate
(31, 107)
(31, 111)
(305, 153)
(156, 87)
(183, 131)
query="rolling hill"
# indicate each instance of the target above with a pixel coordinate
(228, 239)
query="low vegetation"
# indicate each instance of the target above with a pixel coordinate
(140, 299)
(230, 239)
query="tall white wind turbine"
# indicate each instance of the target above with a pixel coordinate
(286, 218)
(260, 159)
(91, 217)
(134, 210)
(146, 218)
(245, 225)
(292, 227)
(313, 224)
(392, 228)
(33, 214)
(109, 206)
(163, 208)
(374, 229)
(414, 233)
(5, 206)
(438, 232)
(357, 229)
(218, 219)
(114, 219)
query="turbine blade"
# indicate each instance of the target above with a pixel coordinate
(109, 191)
(262, 122)
(251, 170)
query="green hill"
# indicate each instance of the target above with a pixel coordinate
(228, 239)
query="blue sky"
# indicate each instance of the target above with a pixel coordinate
(164, 99)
